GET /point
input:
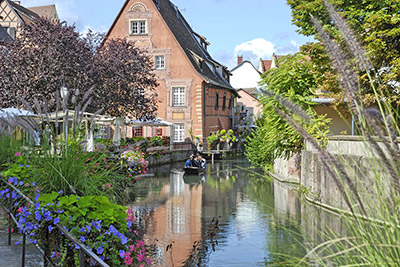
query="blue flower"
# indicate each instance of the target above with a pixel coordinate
(22, 165)
(21, 183)
(28, 165)
(56, 220)
(17, 243)
(77, 246)
(83, 239)
(50, 228)
(98, 225)
(122, 254)
(100, 250)
(38, 216)
(37, 196)
(53, 254)
(124, 240)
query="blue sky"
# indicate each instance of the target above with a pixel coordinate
(252, 28)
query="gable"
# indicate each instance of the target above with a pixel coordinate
(7, 12)
(168, 17)
(245, 76)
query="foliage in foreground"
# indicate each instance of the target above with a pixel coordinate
(371, 196)
(274, 137)
(105, 228)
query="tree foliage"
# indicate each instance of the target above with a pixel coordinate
(293, 80)
(46, 56)
(377, 25)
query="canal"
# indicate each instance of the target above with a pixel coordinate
(227, 217)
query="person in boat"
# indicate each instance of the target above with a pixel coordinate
(191, 162)
(201, 162)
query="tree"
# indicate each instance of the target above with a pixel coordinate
(293, 80)
(376, 22)
(126, 81)
(47, 56)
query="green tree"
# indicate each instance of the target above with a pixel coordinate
(377, 25)
(293, 80)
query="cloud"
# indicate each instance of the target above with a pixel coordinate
(251, 50)
(288, 48)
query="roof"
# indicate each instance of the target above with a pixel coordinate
(244, 62)
(185, 35)
(4, 36)
(44, 11)
(25, 14)
(188, 41)
(250, 91)
(266, 65)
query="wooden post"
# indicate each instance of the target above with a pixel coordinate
(212, 158)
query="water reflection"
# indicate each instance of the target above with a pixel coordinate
(252, 218)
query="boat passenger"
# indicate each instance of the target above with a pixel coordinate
(190, 162)
(201, 162)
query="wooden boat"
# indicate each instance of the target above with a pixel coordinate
(193, 170)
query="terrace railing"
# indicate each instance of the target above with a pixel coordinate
(8, 207)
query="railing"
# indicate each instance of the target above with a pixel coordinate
(83, 250)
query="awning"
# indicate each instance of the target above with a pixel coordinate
(15, 112)
(157, 122)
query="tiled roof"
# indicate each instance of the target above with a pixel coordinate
(189, 43)
(43, 11)
(4, 36)
(266, 65)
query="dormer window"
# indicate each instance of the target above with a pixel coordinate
(138, 27)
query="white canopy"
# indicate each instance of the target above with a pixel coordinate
(15, 112)
(157, 122)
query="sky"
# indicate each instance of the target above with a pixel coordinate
(254, 28)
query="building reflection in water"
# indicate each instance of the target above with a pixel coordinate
(173, 216)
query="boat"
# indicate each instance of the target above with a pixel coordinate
(193, 170)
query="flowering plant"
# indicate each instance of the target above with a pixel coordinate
(134, 161)
(105, 228)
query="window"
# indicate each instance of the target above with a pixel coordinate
(138, 132)
(224, 102)
(216, 101)
(230, 102)
(179, 133)
(138, 27)
(160, 63)
(178, 96)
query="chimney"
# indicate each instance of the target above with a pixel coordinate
(240, 60)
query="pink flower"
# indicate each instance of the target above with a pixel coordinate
(18, 154)
(20, 210)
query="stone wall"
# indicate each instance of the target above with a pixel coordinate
(288, 170)
(355, 158)
(170, 157)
